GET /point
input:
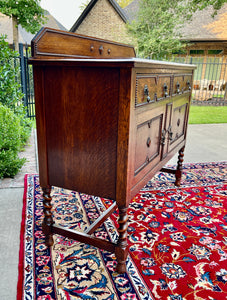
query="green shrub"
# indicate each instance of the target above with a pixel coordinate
(10, 89)
(10, 142)
(15, 127)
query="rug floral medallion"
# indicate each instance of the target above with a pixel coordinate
(177, 241)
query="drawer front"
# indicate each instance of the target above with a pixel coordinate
(148, 138)
(182, 84)
(152, 88)
(146, 89)
(163, 87)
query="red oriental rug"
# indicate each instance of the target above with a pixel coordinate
(177, 239)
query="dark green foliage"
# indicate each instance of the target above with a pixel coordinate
(10, 90)
(27, 13)
(26, 125)
(15, 128)
(201, 4)
(10, 142)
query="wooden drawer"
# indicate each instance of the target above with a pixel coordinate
(182, 83)
(148, 136)
(151, 88)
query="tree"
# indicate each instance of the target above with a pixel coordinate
(201, 4)
(157, 24)
(27, 13)
(124, 3)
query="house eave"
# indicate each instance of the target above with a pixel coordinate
(204, 40)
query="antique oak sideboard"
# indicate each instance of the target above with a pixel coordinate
(106, 123)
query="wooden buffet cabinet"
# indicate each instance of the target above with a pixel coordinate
(106, 123)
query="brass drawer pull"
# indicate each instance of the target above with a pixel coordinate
(163, 137)
(165, 90)
(170, 133)
(178, 88)
(189, 85)
(148, 142)
(146, 93)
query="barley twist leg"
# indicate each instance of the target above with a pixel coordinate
(121, 250)
(48, 218)
(179, 169)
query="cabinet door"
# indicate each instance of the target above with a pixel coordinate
(167, 131)
(178, 122)
(148, 138)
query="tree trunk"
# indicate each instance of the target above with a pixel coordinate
(15, 33)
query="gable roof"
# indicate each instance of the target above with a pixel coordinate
(24, 36)
(89, 7)
(131, 10)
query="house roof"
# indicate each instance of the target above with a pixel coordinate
(89, 7)
(24, 36)
(131, 10)
(204, 27)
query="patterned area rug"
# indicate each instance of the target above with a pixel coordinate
(177, 239)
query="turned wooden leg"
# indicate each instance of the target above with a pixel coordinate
(179, 169)
(121, 250)
(48, 218)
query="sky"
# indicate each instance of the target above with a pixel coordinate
(65, 11)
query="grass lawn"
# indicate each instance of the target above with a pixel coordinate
(207, 114)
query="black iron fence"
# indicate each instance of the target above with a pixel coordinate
(210, 79)
(26, 80)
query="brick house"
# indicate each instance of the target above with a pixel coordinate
(207, 48)
(206, 36)
(103, 19)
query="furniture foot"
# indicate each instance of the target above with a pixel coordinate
(121, 250)
(48, 218)
(178, 172)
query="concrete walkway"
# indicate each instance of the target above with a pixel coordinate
(205, 143)
(11, 200)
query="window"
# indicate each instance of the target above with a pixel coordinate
(198, 52)
(213, 52)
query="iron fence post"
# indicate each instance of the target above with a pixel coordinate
(23, 75)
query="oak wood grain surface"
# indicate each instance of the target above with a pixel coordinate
(106, 123)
